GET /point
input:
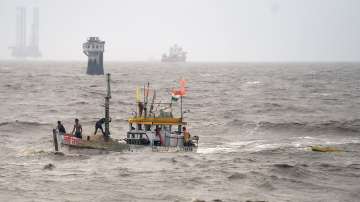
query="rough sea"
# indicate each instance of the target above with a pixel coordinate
(256, 123)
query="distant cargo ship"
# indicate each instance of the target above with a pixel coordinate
(176, 54)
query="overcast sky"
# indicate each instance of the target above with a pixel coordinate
(210, 30)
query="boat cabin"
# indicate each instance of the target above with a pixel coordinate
(154, 124)
(156, 131)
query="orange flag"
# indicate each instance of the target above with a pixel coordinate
(181, 91)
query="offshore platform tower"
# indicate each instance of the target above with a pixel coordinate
(21, 48)
(94, 49)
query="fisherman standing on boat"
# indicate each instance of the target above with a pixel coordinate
(187, 141)
(61, 128)
(157, 139)
(77, 129)
(98, 125)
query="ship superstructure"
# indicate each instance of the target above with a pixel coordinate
(176, 54)
(94, 49)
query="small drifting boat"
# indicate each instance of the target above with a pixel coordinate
(319, 148)
(91, 142)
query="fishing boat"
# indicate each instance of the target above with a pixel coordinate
(154, 123)
(103, 142)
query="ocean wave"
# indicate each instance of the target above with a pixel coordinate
(343, 125)
(78, 103)
(23, 123)
(283, 165)
(239, 122)
(250, 83)
(217, 149)
(237, 176)
(297, 170)
(267, 185)
(354, 166)
(4, 123)
(276, 107)
(345, 170)
(28, 152)
(346, 125)
(330, 167)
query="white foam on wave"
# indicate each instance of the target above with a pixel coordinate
(243, 143)
(252, 82)
(232, 147)
(217, 149)
(31, 152)
(346, 141)
(256, 145)
(310, 141)
(262, 145)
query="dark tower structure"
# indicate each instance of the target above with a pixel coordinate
(21, 49)
(33, 48)
(94, 49)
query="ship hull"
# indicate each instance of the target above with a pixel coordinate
(170, 60)
(93, 142)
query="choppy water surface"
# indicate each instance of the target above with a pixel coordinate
(255, 122)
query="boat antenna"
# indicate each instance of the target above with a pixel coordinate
(107, 107)
(181, 106)
(144, 104)
(147, 98)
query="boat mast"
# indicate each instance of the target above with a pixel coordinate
(152, 103)
(144, 106)
(181, 106)
(107, 106)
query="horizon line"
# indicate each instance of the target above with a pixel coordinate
(191, 61)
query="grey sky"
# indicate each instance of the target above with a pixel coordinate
(210, 30)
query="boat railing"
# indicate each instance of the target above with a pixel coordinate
(156, 121)
(172, 149)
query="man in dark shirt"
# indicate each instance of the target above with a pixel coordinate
(98, 125)
(61, 128)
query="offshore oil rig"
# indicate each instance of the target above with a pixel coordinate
(176, 54)
(21, 48)
(94, 49)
